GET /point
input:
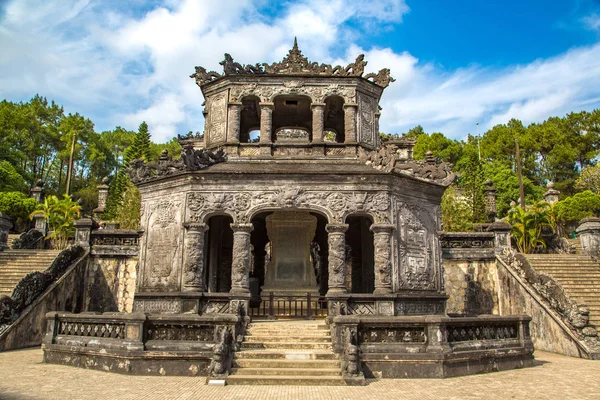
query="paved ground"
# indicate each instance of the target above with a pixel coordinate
(23, 376)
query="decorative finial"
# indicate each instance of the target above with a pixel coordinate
(295, 43)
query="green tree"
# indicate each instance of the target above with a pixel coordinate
(128, 211)
(571, 210)
(457, 213)
(17, 206)
(10, 179)
(589, 179)
(443, 148)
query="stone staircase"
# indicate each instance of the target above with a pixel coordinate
(15, 264)
(11, 237)
(286, 352)
(576, 243)
(579, 276)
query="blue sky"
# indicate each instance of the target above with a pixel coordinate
(456, 63)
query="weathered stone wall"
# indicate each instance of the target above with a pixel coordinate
(547, 333)
(111, 273)
(110, 284)
(472, 287)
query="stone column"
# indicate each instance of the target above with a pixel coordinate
(551, 196)
(242, 258)
(193, 266)
(102, 198)
(337, 257)
(266, 122)
(588, 232)
(350, 123)
(490, 200)
(5, 226)
(318, 122)
(376, 135)
(234, 114)
(382, 235)
(83, 230)
(38, 192)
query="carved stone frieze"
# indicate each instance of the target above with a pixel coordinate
(465, 333)
(337, 204)
(185, 332)
(267, 92)
(157, 306)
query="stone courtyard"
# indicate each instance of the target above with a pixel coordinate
(553, 377)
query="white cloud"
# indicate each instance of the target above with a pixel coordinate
(120, 66)
(592, 22)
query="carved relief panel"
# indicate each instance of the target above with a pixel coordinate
(367, 123)
(419, 262)
(162, 256)
(217, 117)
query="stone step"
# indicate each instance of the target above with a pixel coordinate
(285, 354)
(294, 338)
(282, 363)
(286, 345)
(285, 380)
(289, 371)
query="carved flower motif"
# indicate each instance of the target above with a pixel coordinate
(381, 202)
(195, 201)
(241, 201)
(336, 201)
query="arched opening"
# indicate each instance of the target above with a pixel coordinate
(360, 275)
(219, 254)
(292, 118)
(250, 120)
(263, 253)
(334, 119)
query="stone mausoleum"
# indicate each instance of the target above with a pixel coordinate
(289, 206)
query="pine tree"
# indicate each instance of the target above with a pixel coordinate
(139, 150)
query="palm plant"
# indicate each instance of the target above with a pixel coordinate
(60, 215)
(528, 224)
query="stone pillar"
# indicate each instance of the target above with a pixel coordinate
(501, 232)
(38, 191)
(350, 123)
(266, 122)
(551, 196)
(588, 232)
(382, 235)
(337, 257)
(234, 114)
(318, 122)
(193, 266)
(490, 200)
(83, 230)
(5, 227)
(102, 198)
(242, 258)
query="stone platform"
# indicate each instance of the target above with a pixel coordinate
(24, 376)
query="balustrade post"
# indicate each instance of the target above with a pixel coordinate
(337, 257)
(193, 267)
(382, 235)
(242, 254)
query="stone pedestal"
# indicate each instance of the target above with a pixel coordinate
(83, 229)
(588, 232)
(501, 232)
(102, 198)
(290, 270)
(337, 258)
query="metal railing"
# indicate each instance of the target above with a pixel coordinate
(274, 306)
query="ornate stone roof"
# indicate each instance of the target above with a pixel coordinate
(295, 63)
